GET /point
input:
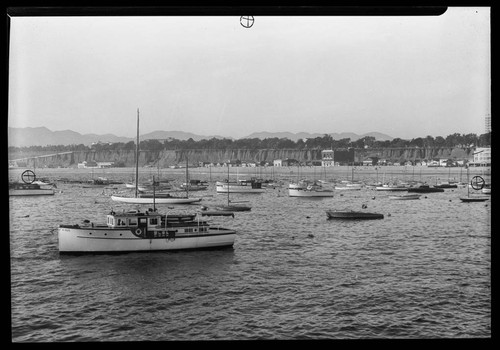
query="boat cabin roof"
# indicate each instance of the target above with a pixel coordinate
(134, 213)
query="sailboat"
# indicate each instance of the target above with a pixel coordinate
(240, 186)
(306, 188)
(147, 198)
(469, 199)
(229, 206)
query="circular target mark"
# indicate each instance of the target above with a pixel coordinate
(246, 21)
(477, 182)
(28, 177)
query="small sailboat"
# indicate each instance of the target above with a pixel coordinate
(477, 183)
(151, 198)
(313, 190)
(307, 188)
(241, 186)
(232, 207)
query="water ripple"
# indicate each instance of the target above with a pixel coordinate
(422, 272)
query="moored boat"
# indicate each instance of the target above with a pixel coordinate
(477, 183)
(425, 189)
(242, 186)
(405, 196)
(446, 185)
(474, 199)
(233, 207)
(135, 231)
(301, 184)
(152, 199)
(388, 187)
(29, 186)
(313, 190)
(24, 189)
(486, 189)
(194, 185)
(148, 187)
(348, 188)
(352, 215)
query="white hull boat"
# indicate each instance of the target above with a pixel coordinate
(155, 200)
(301, 184)
(29, 186)
(348, 188)
(391, 188)
(30, 192)
(240, 187)
(148, 231)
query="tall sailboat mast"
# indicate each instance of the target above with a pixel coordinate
(187, 178)
(137, 158)
(228, 185)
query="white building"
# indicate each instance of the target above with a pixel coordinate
(487, 123)
(92, 164)
(327, 158)
(482, 157)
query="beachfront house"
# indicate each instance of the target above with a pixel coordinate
(327, 158)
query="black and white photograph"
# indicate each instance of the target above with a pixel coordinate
(249, 173)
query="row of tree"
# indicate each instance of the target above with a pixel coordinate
(324, 142)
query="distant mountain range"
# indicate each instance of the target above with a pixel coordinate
(305, 135)
(41, 136)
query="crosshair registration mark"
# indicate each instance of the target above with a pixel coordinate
(246, 21)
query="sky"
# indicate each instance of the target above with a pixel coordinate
(407, 77)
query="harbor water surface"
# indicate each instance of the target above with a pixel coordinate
(424, 271)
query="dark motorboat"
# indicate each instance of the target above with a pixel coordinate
(217, 213)
(425, 189)
(474, 199)
(233, 208)
(446, 185)
(353, 215)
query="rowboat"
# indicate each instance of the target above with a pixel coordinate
(405, 196)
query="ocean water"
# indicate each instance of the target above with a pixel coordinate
(424, 271)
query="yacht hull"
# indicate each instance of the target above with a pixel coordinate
(104, 239)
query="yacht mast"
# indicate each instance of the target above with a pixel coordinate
(137, 158)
